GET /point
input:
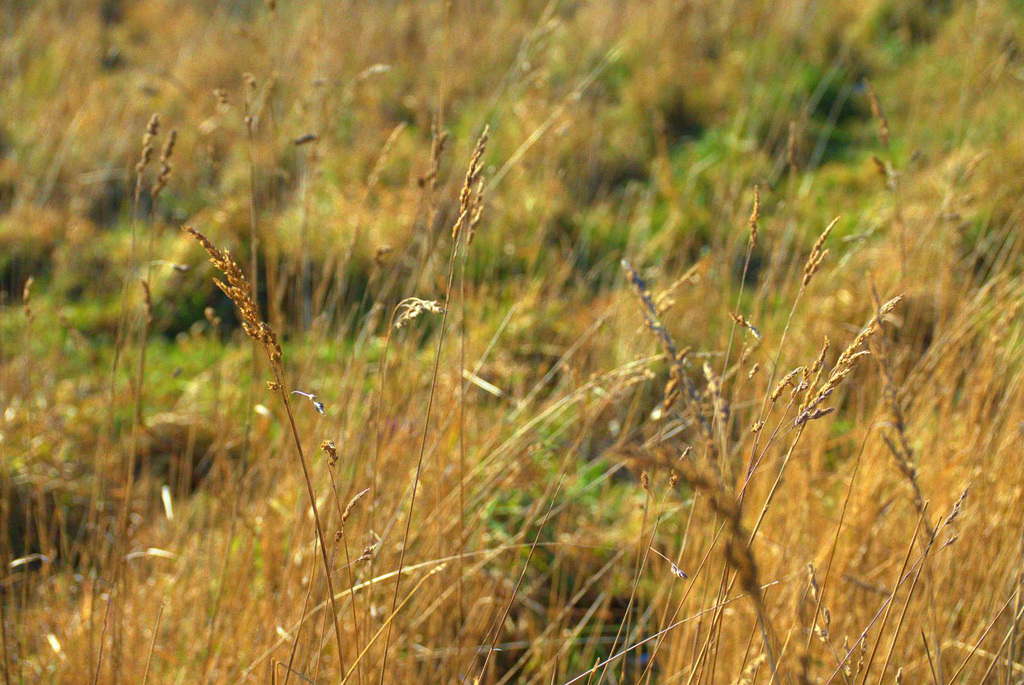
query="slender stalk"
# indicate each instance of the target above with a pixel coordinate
(283, 392)
(460, 571)
(3, 639)
(896, 587)
(342, 540)
(422, 452)
(103, 639)
(302, 616)
(152, 645)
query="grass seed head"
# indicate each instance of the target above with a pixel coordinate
(237, 289)
(755, 214)
(818, 253)
(352, 503)
(165, 163)
(878, 114)
(26, 297)
(328, 448)
(152, 129)
(411, 308)
(470, 197)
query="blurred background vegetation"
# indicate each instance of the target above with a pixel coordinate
(307, 134)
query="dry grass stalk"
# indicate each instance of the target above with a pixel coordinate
(947, 398)
(885, 170)
(165, 163)
(678, 380)
(755, 214)
(811, 408)
(147, 299)
(786, 381)
(878, 114)
(849, 357)
(673, 568)
(820, 630)
(352, 503)
(818, 253)
(146, 154)
(738, 553)
(808, 382)
(328, 448)
(439, 139)
(665, 300)
(714, 391)
(749, 674)
(897, 440)
(411, 308)
(791, 148)
(238, 291)
(468, 215)
(26, 298)
(954, 513)
(743, 322)
(382, 159)
(380, 254)
(471, 195)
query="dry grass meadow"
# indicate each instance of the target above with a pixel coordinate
(539, 341)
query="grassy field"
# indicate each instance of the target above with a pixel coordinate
(540, 341)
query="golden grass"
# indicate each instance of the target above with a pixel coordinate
(761, 451)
